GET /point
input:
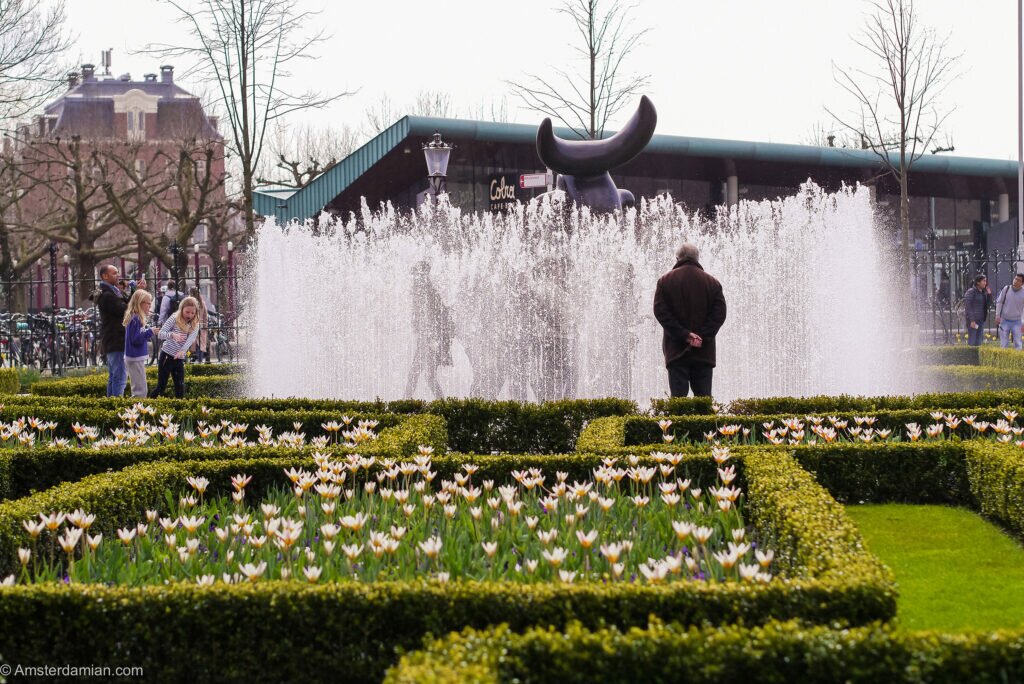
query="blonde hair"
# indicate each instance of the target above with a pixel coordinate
(139, 298)
(179, 320)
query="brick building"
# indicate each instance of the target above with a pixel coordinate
(115, 134)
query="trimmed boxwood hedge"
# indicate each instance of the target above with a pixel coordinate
(948, 355)
(522, 427)
(23, 471)
(996, 473)
(643, 430)
(107, 419)
(200, 385)
(775, 652)
(997, 357)
(474, 425)
(10, 381)
(682, 406)
(278, 631)
(847, 403)
(971, 378)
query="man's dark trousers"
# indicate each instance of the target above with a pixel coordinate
(684, 374)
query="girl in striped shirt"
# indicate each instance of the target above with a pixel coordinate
(178, 333)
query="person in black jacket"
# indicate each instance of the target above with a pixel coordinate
(690, 306)
(977, 302)
(112, 302)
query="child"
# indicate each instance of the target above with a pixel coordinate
(136, 340)
(179, 333)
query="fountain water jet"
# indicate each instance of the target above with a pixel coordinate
(548, 303)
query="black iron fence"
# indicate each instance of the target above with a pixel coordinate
(48, 320)
(940, 279)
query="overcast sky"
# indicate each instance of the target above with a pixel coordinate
(737, 69)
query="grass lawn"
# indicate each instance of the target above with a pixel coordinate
(955, 570)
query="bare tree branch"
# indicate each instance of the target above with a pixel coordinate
(246, 48)
(897, 113)
(585, 100)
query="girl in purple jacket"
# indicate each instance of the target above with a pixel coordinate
(136, 340)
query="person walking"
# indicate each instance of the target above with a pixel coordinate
(136, 340)
(432, 330)
(690, 306)
(179, 332)
(1010, 311)
(977, 301)
(111, 303)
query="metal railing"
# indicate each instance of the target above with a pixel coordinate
(941, 277)
(49, 324)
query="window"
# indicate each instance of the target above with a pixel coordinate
(140, 168)
(136, 124)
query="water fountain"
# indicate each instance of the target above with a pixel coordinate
(546, 302)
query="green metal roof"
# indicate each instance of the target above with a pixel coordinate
(310, 200)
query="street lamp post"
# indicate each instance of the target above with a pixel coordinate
(54, 366)
(195, 248)
(231, 281)
(67, 281)
(175, 251)
(437, 153)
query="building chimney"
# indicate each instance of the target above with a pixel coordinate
(167, 74)
(88, 73)
(72, 79)
(214, 122)
(150, 78)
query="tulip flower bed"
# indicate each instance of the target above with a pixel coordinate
(820, 572)
(615, 434)
(474, 425)
(32, 457)
(356, 519)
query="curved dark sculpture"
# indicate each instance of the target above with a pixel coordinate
(583, 165)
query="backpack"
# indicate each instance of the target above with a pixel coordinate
(175, 300)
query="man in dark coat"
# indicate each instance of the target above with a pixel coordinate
(112, 302)
(690, 306)
(977, 302)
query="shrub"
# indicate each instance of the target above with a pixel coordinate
(641, 430)
(997, 357)
(948, 355)
(108, 419)
(10, 382)
(522, 427)
(294, 629)
(996, 473)
(23, 471)
(603, 434)
(682, 406)
(848, 403)
(196, 385)
(775, 652)
(971, 378)
(893, 472)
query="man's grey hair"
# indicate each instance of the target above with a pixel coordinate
(687, 251)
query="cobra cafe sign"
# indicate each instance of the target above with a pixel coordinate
(505, 189)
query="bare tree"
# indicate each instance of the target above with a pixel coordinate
(301, 153)
(20, 244)
(584, 100)
(897, 113)
(32, 45)
(66, 202)
(245, 48)
(383, 113)
(181, 186)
